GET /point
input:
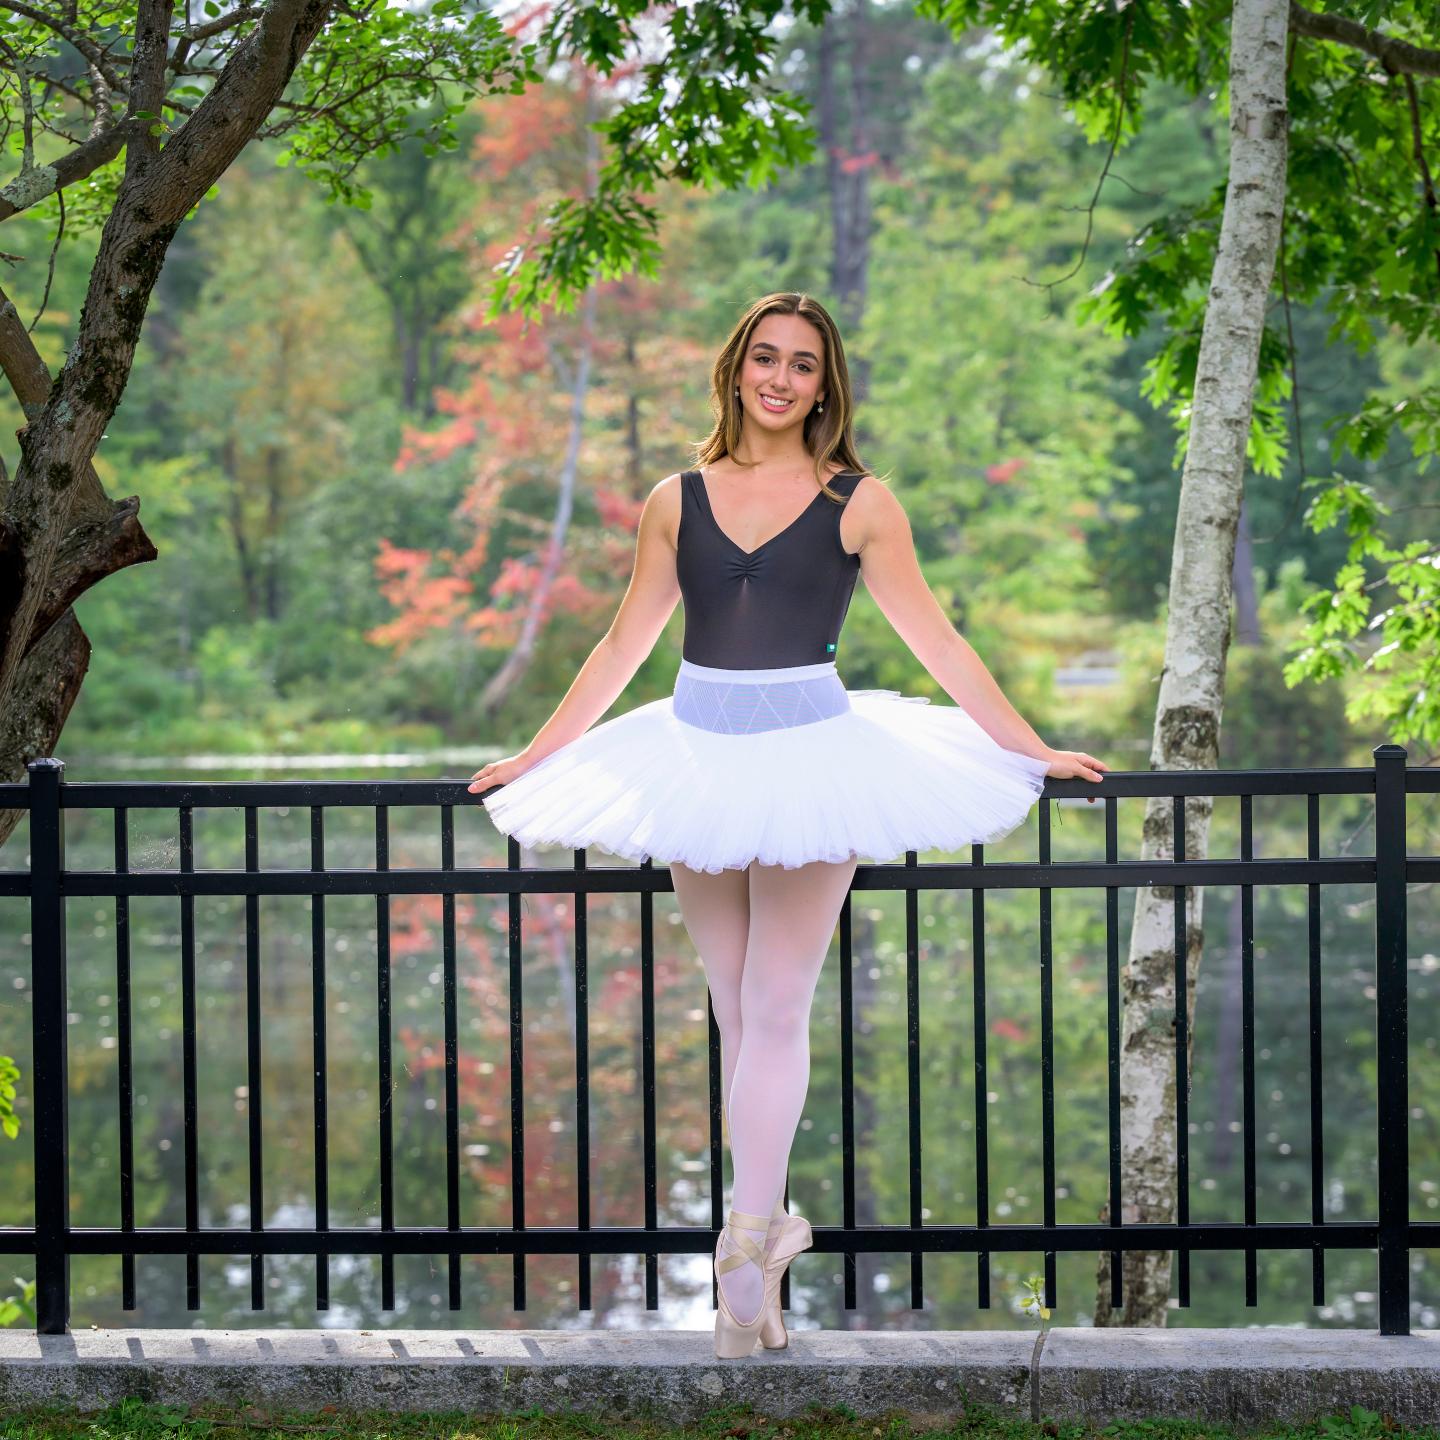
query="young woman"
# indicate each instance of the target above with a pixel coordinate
(761, 780)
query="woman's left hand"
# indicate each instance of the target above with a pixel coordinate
(1072, 764)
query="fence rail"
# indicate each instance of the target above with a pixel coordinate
(48, 883)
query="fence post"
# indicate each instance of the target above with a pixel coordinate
(1391, 982)
(48, 1029)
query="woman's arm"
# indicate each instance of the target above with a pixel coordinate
(892, 576)
(649, 602)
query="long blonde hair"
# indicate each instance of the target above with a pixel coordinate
(829, 434)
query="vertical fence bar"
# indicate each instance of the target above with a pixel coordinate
(912, 1055)
(124, 1021)
(582, 1077)
(517, 1076)
(1317, 1124)
(982, 1084)
(1112, 1027)
(189, 1083)
(847, 1093)
(1391, 1040)
(1247, 1041)
(717, 1154)
(452, 1052)
(320, 1099)
(386, 1079)
(1047, 1055)
(253, 1097)
(785, 1205)
(50, 1085)
(1182, 1060)
(647, 1080)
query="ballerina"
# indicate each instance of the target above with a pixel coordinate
(761, 780)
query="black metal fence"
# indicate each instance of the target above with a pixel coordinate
(49, 884)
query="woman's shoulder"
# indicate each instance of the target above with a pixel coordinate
(873, 511)
(667, 490)
(665, 503)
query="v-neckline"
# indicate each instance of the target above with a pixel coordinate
(764, 544)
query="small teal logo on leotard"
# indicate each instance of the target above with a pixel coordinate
(829, 647)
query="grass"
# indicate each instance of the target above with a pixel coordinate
(138, 1420)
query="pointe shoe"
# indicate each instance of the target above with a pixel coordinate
(794, 1237)
(772, 1332)
(734, 1340)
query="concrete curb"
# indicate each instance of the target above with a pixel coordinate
(1241, 1376)
(1245, 1377)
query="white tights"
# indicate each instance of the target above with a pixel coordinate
(762, 935)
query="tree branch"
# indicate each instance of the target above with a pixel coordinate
(1397, 55)
(193, 35)
(1417, 137)
(33, 185)
(81, 41)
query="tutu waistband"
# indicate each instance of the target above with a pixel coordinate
(759, 677)
(747, 702)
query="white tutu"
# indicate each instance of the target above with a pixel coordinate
(780, 766)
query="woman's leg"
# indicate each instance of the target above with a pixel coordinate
(716, 912)
(792, 921)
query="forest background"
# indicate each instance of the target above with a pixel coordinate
(357, 473)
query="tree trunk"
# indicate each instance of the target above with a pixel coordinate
(235, 514)
(276, 464)
(1197, 638)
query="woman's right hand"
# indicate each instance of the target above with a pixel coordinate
(500, 772)
(1076, 764)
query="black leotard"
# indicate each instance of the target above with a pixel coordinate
(781, 604)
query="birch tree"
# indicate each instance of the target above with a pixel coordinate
(1157, 1035)
(1186, 736)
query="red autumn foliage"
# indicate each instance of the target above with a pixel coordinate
(1003, 471)
(511, 416)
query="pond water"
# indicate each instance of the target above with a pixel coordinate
(616, 1113)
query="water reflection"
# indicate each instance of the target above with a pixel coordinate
(550, 1006)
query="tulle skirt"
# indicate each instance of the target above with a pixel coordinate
(777, 766)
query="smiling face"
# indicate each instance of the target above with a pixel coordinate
(785, 360)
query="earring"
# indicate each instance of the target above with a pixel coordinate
(819, 407)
